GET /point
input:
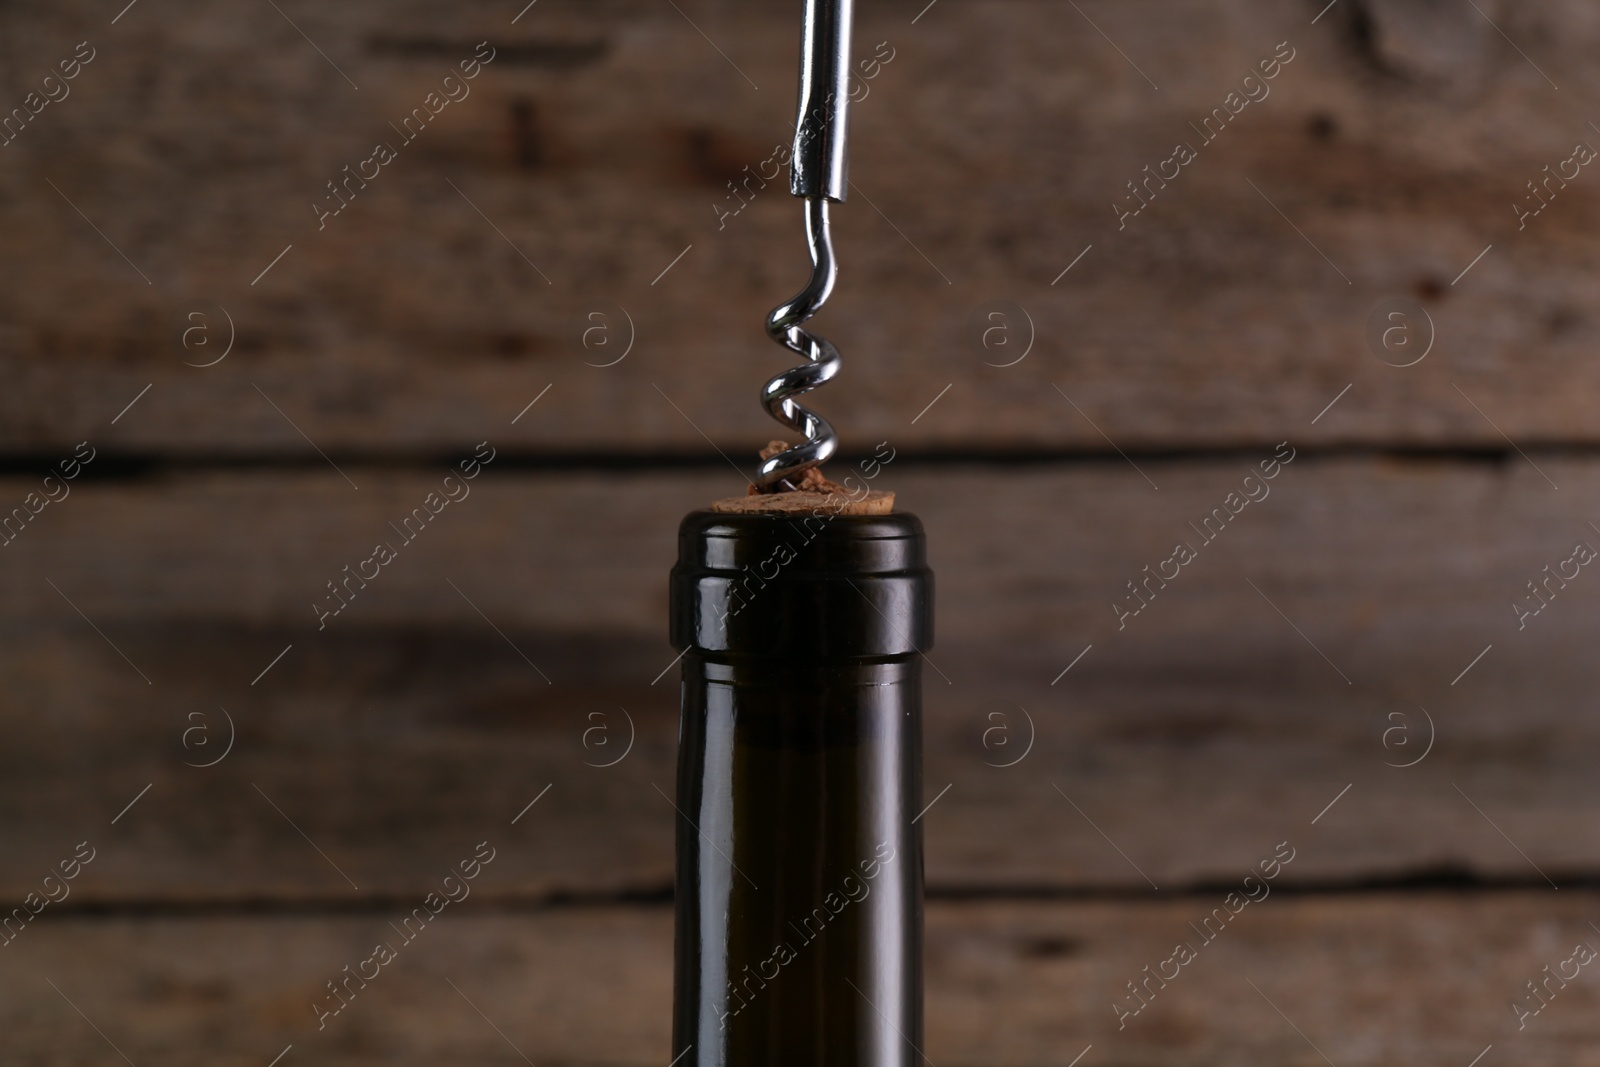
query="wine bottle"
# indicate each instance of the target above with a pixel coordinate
(799, 867)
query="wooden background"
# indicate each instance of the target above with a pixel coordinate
(1358, 619)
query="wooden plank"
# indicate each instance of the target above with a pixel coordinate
(1379, 549)
(1212, 723)
(1365, 980)
(988, 155)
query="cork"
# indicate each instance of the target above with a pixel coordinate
(876, 502)
(816, 494)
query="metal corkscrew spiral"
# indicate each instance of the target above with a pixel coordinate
(817, 175)
(822, 362)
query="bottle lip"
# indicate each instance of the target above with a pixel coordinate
(827, 543)
(817, 586)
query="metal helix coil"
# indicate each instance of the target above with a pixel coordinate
(784, 326)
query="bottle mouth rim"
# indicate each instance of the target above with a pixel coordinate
(842, 587)
(822, 542)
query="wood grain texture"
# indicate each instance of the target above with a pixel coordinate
(544, 267)
(462, 681)
(1365, 980)
(598, 147)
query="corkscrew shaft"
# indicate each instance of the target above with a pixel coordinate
(819, 131)
(819, 176)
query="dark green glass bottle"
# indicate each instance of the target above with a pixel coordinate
(799, 876)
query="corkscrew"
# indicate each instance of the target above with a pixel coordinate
(818, 176)
(800, 741)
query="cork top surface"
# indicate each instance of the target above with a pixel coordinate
(876, 502)
(816, 493)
